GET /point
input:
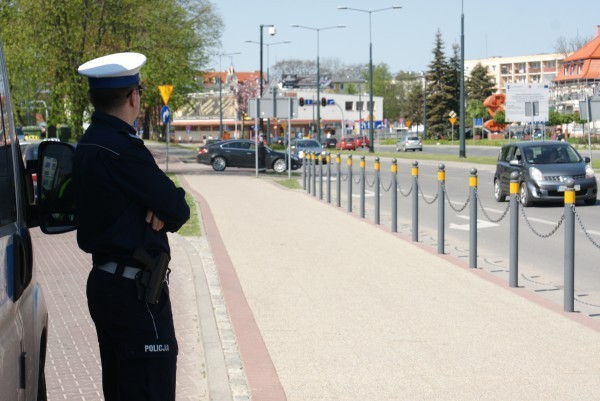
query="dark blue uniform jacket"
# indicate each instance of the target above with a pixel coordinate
(116, 181)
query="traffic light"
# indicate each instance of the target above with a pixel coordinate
(301, 101)
(323, 102)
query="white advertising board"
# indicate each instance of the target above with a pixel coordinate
(527, 102)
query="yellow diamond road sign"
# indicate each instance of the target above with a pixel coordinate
(165, 92)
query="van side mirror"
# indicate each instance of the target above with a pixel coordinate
(587, 159)
(55, 195)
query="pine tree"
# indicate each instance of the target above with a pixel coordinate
(439, 92)
(480, 84)
(454, 78)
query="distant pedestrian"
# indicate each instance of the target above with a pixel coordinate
(125, 205)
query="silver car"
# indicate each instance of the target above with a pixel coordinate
(301, 147)
(409, 142)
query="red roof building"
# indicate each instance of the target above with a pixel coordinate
(579, 76)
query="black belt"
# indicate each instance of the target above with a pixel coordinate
(128, 271)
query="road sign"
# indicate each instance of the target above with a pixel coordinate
(408, 123)
(452, 120)
(526, 101)
(165, 114)
(452, 114)
(478, 122)
(165, 92)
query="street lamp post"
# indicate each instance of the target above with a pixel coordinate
(461, 149)
(260, 78)
(268, 45)
(318, 73)
(371, 125)
(221, 93)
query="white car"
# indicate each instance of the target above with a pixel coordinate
(23, 311)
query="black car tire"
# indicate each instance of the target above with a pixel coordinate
(590, 202)
(498, 194)
(279, 166)
(525, 195)
(219, 163)
(420, 149)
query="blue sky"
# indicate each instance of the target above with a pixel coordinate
(403, 39)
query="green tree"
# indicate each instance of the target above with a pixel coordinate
(439, 94)
(68, 33)
(480, 84)
(382, 86)
(453, 78)
(476, 109)
(414, 104)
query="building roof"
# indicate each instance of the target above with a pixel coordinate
(583, 63)
(210, 77)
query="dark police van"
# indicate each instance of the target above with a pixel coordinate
(23, 312)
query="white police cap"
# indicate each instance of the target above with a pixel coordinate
(119, 70)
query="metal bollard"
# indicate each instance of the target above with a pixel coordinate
(473, 219)
(362, 186)
(314, 174)
(350, 183)
(303, 171)
(394, 190)
(328, 158)
(513, 264)
(441, 210)
(309, 178)
(320, 176)
(569, 247)
(415, 201)
(377, 190)
(338, 162)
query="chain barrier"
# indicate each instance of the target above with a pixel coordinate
(487, 216)
(425, 199)
(583, 228)
(383, 187)
(460, 209)
(343, 178)
(406, 195)
(371, 184)
(551, 233)
(356, 179)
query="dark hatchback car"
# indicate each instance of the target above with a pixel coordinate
(544, 167)
(242, 153)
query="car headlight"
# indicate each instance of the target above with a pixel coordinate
(589, 172)
(535, 174)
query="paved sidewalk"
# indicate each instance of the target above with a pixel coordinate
(326, 306)
(73, 363)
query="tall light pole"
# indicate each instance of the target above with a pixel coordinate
(268, 45)
(221, 93)
(371, 128)
(272, 32)
(318, 73)
(461, 148)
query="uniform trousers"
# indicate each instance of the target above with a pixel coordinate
(138, 348)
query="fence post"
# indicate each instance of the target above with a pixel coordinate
(309, 178)
(441, 211)
(350, 183)
(377, 190)
(514, 231)
(320, 176)
(338, 162)
(328, 159)
(314, 174)
(415, 201)
(303, 171)
(394, 190)
(362, 186)
(473, 219)
(569, 246)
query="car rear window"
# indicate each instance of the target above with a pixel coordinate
(413, 138)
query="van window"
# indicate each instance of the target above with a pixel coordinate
(8, 208)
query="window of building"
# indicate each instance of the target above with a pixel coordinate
(360, 106)
(348, 106)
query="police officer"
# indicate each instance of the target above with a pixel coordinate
(124, 202)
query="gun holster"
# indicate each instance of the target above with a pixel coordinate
(151, 280)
